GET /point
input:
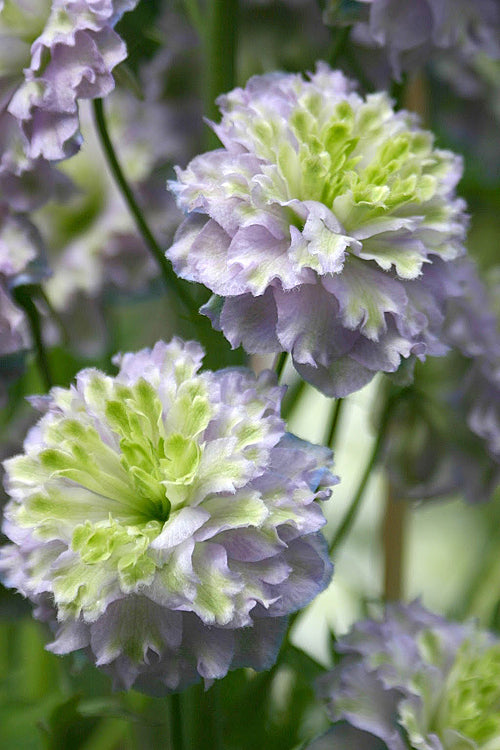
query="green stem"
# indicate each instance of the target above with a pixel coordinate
(176, 733)
(23, 295)
(168, 275)
(334, 421)
(398, 91)
(339, 44)
(220, 56)
(279, 364)
(352, 511)
(204, 730)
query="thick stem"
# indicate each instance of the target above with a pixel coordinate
(176, 733)
(203, 731)
(393, 539)
(220, 56)
(168, 275)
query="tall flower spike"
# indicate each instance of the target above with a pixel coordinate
(164, 521)
(414, 680)
(324, 227)
(60, 52)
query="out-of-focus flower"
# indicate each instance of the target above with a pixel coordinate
(52, 55)
(468, 91)
(332, 221)
(25, 184)
(414, 680)
(14, 232)
(163, 519)
(21, 262)
(445, 435)
(411, 31)
(95, 250)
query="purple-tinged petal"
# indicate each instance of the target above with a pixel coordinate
(323, 212)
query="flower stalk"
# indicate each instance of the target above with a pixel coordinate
(333, 422)
(23, 295)
(170, 279)
(176, 733)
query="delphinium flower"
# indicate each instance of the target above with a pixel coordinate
(411, 31)
(164, 520)
(55, 53)
(414, 680)
(445, 435)
(325, 226)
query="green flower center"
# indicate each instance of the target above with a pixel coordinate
(149, 456)
(125, 548)
(348, 150)
(472, 702)
(107, 482)
(138, 473)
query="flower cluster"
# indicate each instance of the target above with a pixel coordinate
(332, 223)
(163, 519)
(53, 54)
(414, 680)
(411, 31)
